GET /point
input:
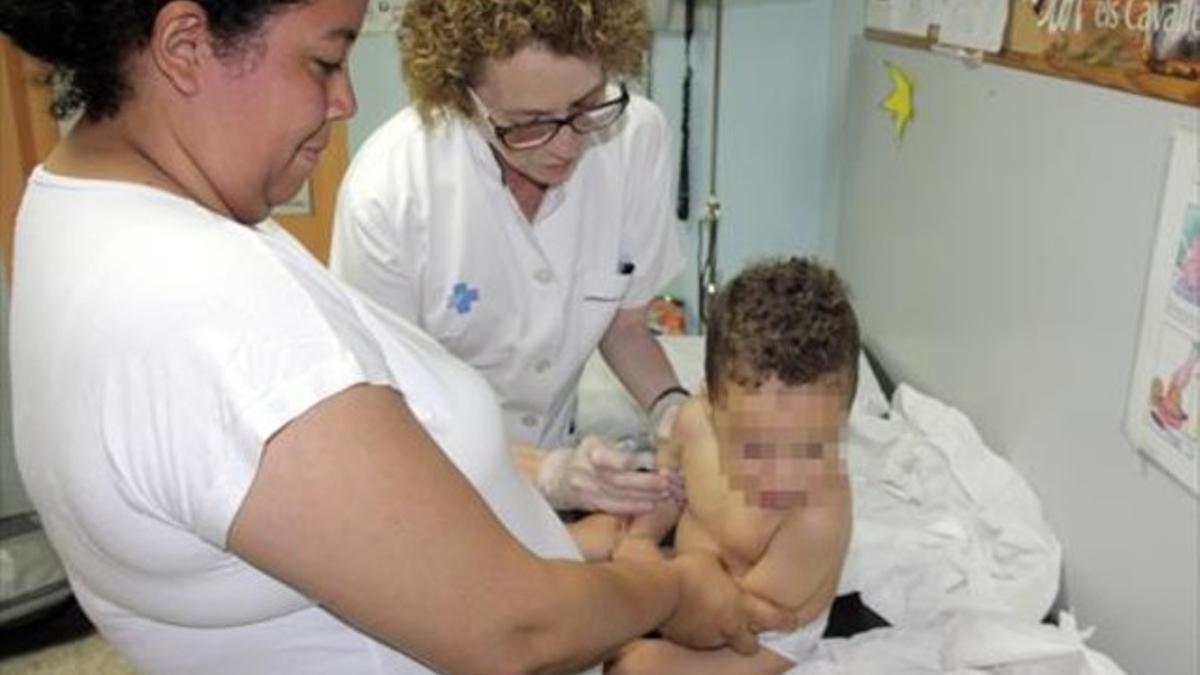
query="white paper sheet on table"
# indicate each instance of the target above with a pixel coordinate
(940, 521)
(962, 643)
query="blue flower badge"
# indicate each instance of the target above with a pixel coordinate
(462, 297)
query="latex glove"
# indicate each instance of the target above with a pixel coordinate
(598, 477)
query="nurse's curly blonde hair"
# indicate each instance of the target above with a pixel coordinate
(444, 43)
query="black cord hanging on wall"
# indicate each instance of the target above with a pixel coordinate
(683, 198)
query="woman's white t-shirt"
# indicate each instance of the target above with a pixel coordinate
(156, 346)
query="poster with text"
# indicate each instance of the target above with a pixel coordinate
(1163, 417)
(1159, 36)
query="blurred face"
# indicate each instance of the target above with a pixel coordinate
(778, 444)
(536, 84)
(264, 112)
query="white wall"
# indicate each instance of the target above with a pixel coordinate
(998, 258)
(375, 72)
(776, 129)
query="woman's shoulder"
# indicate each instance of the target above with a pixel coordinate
(646, 119)
(645, 111)
(405, 155)
(407, 136)
(117, 222)
(637, 140)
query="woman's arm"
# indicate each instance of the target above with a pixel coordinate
(635, 357)
(803, 561)
(356, 507)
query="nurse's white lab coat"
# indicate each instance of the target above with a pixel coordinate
(426, 227)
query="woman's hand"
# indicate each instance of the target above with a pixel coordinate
(711, 610)
(598, 477)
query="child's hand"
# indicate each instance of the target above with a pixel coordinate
(710, 612)
(655, 525)
(765, 615)
(637, 549)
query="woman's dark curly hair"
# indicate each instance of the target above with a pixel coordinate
(88, 42)
(788, 318)
(443, 43)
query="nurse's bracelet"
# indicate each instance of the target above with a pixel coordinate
(673, 389)
(663, 409)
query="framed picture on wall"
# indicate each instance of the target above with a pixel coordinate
(1163, 414)
(1174, 40)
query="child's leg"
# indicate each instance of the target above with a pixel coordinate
(660, 657)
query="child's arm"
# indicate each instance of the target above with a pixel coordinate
(803, 560)
(660, 657)
(641, 537)
(600, 536)
(597, 535)
(791, 558)
(723, 521)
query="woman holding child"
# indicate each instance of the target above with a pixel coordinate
(245, 465)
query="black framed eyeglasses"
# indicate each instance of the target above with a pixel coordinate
(535, 134)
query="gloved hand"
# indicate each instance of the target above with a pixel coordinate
(598, 477)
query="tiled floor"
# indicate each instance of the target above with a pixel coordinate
(62, 642)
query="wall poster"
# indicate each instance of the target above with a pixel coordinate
(1163, 416)
(1149, 47)
(1157, 36)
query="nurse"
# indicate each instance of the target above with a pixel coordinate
(519, 213)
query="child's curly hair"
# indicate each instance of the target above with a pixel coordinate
(443, 43)
(788, 318)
